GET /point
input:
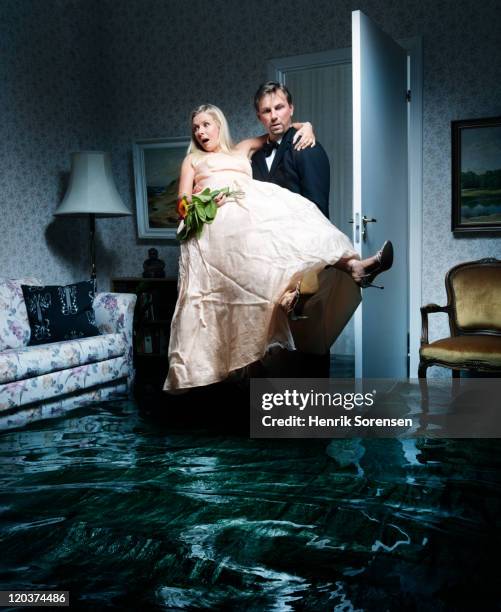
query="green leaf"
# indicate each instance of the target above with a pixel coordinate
(198, 231)
(211, 210)
(200, 209)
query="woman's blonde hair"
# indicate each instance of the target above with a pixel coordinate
(216, 113)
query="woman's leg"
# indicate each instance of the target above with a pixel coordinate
(362, 271)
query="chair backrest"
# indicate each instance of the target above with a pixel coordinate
(474, 292)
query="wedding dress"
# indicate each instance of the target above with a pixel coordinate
(231, 279)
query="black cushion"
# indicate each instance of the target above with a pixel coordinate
(60, 313)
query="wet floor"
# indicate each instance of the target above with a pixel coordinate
(130, 511)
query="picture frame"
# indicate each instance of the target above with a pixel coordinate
(157, 165)
(476, 175)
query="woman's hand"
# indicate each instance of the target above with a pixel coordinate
(304, 137)
(220, 199)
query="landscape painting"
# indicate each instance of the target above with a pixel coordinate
(157, 164)
(476, 175)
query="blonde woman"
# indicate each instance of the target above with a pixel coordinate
(239, 280)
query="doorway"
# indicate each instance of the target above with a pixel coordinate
(321, 84)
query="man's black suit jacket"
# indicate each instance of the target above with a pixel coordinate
(306, 172)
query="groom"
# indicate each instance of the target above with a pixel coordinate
(306, 172)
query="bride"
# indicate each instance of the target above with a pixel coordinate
(240, 280)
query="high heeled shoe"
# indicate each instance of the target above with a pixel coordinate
(384, 261)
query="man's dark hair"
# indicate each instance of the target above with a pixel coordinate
(271, 87)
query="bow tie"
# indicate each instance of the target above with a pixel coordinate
(268, 148)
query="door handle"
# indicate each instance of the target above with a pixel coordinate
(366, 220)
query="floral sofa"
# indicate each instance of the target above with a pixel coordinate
(43, 381)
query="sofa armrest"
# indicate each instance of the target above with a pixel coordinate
(115, 314)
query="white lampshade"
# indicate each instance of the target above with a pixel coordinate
(92, 189)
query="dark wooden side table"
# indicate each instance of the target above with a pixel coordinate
(156, 301)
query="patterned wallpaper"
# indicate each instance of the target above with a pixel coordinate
(82, 74)
(49, 74)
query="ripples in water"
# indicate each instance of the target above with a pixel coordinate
(128, 513)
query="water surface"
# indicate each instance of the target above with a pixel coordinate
(132, 512)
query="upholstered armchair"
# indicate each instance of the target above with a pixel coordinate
(474, 310)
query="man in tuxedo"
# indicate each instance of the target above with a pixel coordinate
(307, 171)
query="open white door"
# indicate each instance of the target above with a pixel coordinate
(380, 193)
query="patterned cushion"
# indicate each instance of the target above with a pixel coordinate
(31, 361)
(14, 325)
(60, 313)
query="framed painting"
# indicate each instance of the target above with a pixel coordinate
(157, 164)
(476, 175)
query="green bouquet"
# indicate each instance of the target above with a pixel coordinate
(201, 210)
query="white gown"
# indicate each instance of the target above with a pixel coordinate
(231, 279)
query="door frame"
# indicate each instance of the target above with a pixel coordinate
(414, 46)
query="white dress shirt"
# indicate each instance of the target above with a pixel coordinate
(271, 157)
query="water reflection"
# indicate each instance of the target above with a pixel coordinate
(129, 513)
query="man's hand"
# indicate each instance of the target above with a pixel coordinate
(304, 137)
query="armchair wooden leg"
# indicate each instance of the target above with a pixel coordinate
(423, 386)
(456, 381)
